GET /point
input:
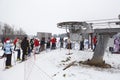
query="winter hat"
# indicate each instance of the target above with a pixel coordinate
(8, 41)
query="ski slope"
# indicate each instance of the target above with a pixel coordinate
(49, 65)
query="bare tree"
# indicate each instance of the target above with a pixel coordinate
(20, 32)
(9, 31)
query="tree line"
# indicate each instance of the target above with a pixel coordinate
(7, 30)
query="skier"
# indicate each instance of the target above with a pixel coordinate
(61, 42)
(82, 44)
(69, 44)
(36, 46)
(31, 44)
(65, 43)
(4, 42)
(15, 43)
(8, 54)
(18, 49)
(53, 41)
(48, 43)
(29, 49)
(24, 46)
(42, 44)
(94, 42)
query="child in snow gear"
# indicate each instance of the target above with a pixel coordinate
(8, 53)
(4, 42)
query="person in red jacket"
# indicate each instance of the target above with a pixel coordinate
(94, 42)
(14, 42)
(53, 41)
(36, 46)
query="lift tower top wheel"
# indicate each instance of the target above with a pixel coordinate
(75, 29)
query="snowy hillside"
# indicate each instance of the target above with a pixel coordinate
(49, 65)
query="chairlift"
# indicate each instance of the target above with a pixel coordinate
(75, 29)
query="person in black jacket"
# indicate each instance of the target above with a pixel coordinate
(61, 42)
(31, 44)
(24, 46)
(48, 43)
(42, 44)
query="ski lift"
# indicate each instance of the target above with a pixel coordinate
(75, 29)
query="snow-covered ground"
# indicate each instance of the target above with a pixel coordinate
(49, 65)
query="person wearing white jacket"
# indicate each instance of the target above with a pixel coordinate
(18, 49)
(8, 53)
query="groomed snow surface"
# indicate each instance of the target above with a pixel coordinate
(49, 65)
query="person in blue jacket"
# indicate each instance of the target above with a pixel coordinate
(8, 54)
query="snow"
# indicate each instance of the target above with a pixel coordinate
(49, 65)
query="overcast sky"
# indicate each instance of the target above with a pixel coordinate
(43, 15)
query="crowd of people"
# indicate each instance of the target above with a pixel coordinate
(24, 47)
(27, 46)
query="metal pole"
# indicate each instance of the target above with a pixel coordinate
(68, 40)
